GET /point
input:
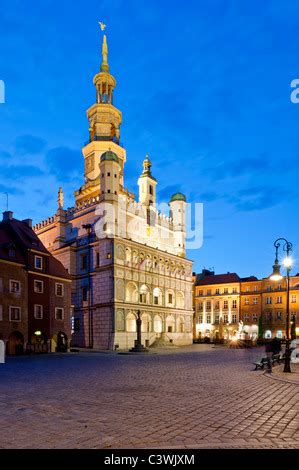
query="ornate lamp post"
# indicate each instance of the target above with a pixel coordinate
(277, 276)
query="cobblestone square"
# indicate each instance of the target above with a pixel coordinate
(192, 397)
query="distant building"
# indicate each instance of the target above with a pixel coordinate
(217, 305)
(226, 305)
(35, 292)
(123, 253)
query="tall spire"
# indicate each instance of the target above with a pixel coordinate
(104, 64)
(147, 164)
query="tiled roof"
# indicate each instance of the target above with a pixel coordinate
(249, 279)
(17, 233)
(218, 279)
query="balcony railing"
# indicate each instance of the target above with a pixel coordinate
(105, 138)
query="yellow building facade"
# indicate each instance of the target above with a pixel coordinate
(226, 305)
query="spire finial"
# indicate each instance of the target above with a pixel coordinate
(60, 199)
(104, 64)
(147, 164)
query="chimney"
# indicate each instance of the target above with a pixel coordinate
(7, 215)
(28, 222)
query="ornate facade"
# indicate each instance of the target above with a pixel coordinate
(123, 255)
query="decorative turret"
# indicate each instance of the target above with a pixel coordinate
(178, 204)
(147, 184)
(110, 175)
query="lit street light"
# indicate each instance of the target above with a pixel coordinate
(277, 276)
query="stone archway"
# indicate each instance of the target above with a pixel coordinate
(15, 344)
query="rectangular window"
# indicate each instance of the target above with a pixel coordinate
(217, 291)
(14, 287)
(217, 319)
(246, 318)
(246, 301)
(279, 300)
(97, 258)
(200, 318)
(247, 289)
(38, 262)
(269, 288)
(225, 318)
(170, 298)
(59, 289)
(254, 317)
(77, 324)
(199, 306)
(1, 312)
(83, 262)
(208, 305)
(209, 292)
(234, 305)
(38, 312)
(278, 315)
(269, 316)
(234, 290)
(225, 290)
(208, 318)
(200, 292)
(85, 294)
(269, 300)
(294, 299)
(151, 190)
(255, 288)
(255, 301)
(225, 304)
(14, 314)
(38, 287)
(279, 287)
(234, 318)
(217, 305)
(59, 313)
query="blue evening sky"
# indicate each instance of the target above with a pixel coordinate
(204, 87)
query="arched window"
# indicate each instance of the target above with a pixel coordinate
(146, 325)
(181, 325)
(131, 292)
(180, 300)
(144, 294)
(158, 297)
(170, 324)
(158, 324)
(131, 323)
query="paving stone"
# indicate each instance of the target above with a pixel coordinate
(192, 398)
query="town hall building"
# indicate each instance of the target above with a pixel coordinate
(123, 254)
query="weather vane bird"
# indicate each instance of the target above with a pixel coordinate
(102, 25)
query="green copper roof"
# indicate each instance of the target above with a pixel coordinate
(109, 156)
(178, 197)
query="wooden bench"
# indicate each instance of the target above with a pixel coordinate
(261, 364)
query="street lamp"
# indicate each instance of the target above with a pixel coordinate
(277, 276)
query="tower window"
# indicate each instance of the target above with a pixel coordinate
(108, 174)
(103, 175)
(109, 191)
(115, 176)
(151, 190)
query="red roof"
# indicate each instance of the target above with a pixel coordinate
(218, 279)
(15, 233)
